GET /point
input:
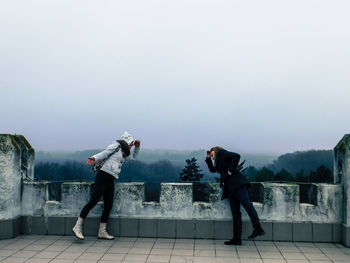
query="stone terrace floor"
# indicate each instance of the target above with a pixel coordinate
(66, 249)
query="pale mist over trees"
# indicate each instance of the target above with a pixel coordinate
(307, 166)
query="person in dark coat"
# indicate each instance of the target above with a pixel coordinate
(235, 186)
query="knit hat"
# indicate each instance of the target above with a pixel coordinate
(127, 137)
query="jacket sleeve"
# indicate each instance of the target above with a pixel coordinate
(210, 165)
(134, 153)
(235, 157)
(106, 153)
(221, 181)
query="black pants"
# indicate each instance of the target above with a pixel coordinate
(104, 186)
(241, 197)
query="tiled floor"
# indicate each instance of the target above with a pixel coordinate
(66, 249)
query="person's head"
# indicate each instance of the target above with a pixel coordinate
(128, 139)
(214, 151)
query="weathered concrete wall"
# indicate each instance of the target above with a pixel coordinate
(27, 158)
(34, 198)
(128, 199)
(280, 202)
(10, 177)
(176, 200)
(328, 204)
(342, 174)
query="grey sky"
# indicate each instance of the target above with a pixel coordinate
(252, 76)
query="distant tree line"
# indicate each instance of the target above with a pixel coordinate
(296, 167)
(306, 161)
(310, 166)
(132, 171)
(65, 171)
(321, 175)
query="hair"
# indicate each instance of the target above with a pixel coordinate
(216, 149)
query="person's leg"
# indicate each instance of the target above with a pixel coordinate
(97, 192)
(242, 195)
(237, 222)
(108, 197)
(235, 206)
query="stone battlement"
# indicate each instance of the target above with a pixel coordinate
(274, 202)
(289, 211)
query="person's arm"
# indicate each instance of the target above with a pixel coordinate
(106, 153)
(235, 157)
(135, 151)
(221, 181)
(210, 163)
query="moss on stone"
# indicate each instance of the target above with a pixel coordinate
(14, 143)
(344, 142)
(26, 143)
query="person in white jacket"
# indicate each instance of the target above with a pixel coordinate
(109, 163)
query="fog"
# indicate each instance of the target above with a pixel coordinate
(252, 76)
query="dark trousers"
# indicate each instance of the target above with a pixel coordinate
(104, 186)
(241, 197)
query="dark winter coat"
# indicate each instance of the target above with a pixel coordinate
(228, 161)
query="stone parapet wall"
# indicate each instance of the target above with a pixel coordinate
(342, 173)
(27, 158)
(289, 211)
(10, 177)
(280, 202)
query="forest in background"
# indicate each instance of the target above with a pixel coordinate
(166, 166)
(155, 167)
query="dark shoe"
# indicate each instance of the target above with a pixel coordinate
(234, 242)
(257, 232)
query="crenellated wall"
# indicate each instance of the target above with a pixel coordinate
(281, 202)
(341, 166)
(289, 211)
(16, 165)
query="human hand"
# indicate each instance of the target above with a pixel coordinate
(137, 143)
(208, 154)
(229, 173)
(91, 160)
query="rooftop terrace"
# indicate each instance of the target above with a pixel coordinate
(178, 227)
(66, 249)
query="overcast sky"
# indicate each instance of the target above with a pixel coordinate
(252, 76)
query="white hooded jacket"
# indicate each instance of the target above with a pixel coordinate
(116, 159)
